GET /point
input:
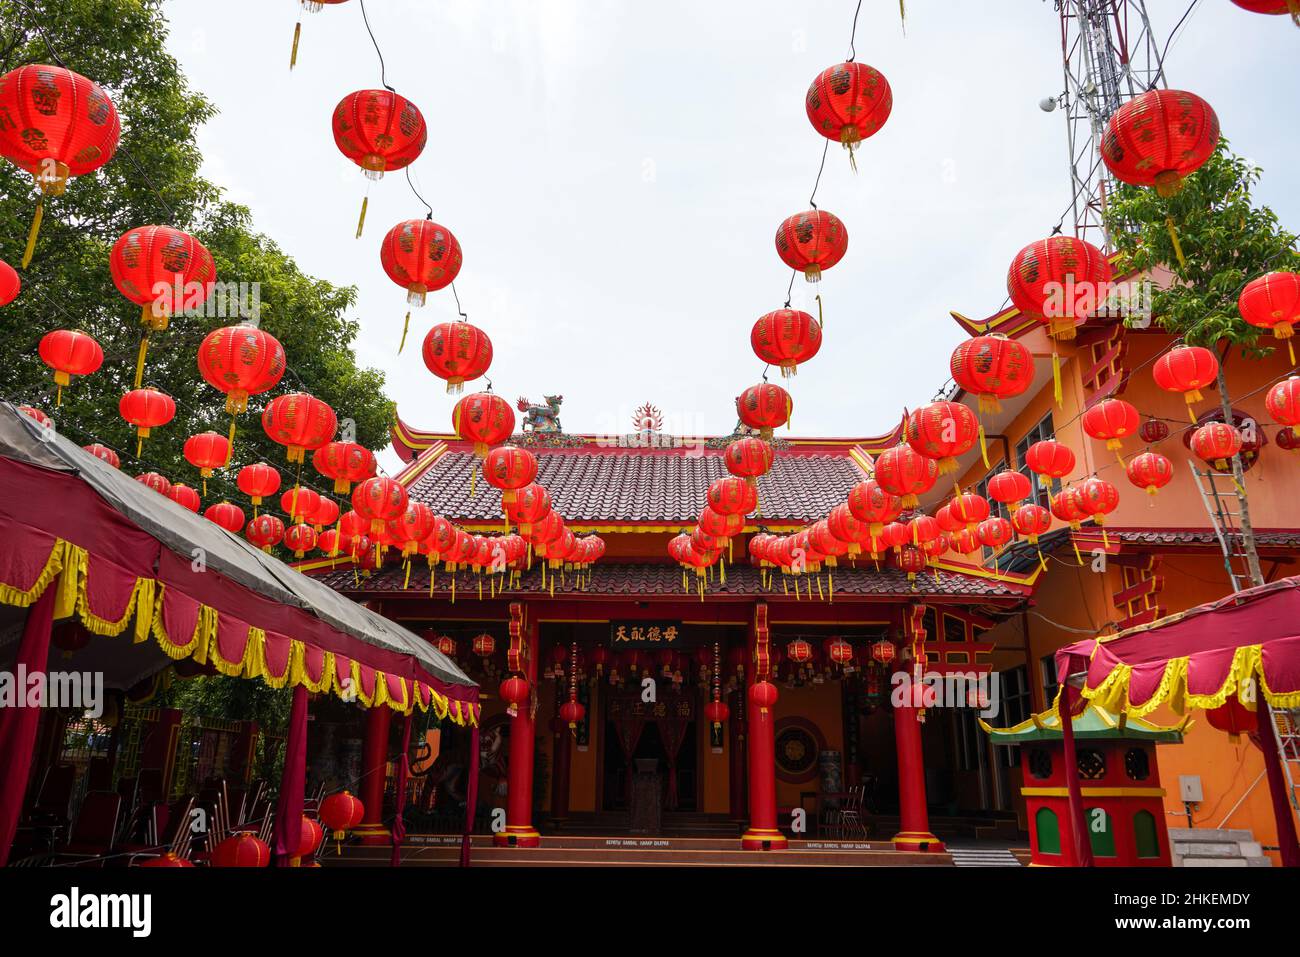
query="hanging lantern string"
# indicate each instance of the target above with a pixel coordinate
(383, 73)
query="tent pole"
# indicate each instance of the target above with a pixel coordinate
(1078, 826)
(1286, 833)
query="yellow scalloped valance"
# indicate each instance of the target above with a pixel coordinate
(68, 567)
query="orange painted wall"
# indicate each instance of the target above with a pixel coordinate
(820, 705)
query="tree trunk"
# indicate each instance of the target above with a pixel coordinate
(1239, 480)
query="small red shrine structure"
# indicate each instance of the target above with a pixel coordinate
(1120, 784)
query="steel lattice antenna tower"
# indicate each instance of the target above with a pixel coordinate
(1110, 56)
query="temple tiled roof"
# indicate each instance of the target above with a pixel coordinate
(635, 486)
(665, 580)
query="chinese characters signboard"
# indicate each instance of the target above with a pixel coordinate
(644, 634)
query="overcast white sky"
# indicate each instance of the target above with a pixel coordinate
(615, 172)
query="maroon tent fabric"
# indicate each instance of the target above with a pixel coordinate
(471, 796)
(399, 797)
(18, 725)
(293, 781)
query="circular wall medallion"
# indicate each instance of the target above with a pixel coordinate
(798, 743)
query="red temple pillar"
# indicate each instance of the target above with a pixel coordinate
(519, 830)
(374, 776)
(762, 833)
(913, 817)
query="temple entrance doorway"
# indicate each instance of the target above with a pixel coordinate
(650, 739)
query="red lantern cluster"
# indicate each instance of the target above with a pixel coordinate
(457, 352)
(1186, 369)
(849, 102)
(484, 419)
(300, 422)
(764, 407)
(69, 353)
(421, 257)
(241, 361)
(1059, 281)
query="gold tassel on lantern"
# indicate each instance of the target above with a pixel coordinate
(293, 54)
(361, 221)
(405, 329)
(34, 232)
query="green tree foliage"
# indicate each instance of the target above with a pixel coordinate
(1225, 241)
(154, 179)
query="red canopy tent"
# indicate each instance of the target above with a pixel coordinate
(159, 583)
(1248, 642)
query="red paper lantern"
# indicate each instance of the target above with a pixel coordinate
(325, 513)
(258, 481)
(411, 527)
(798, 651)
(910, 559)
(717, 713)
(1283, 401)
(572, 712)
(104, 454)
(163, 271)
(484, 645)
(923, 529)
(1272, 301)
(1050, 458)
(1111, 420)
(992, 368)
(995, 532)
(1215, 443)
(58, 124)
(309, 838)
(69, 353)
(159, 483)
(36, 415)
(167, 859)
(762, 695)
(10, 284)
(848, 103)
(1152, 431)
(811, 241)
(732, 496)
(341, 812)
(969, 508)
(1234, 718)
(1060, 281)
(1158, 138)
(345, 463)
(379, 500)
(748, 458)
(1010, 488)
(207, 452)
(1150, 471)
(457, 352)
(241, 850)
(531, 504)
(883, 651)
(230, 517)
(1030, 521)
(871, 503)
(943, 431)
(379, 130)
(947, 521)
(241, 361)
(1186, 369)
(300, 422)
(484, 419)
(785, 338)
(904, 472)
(720, 526)
(1272, 7)
(300, 539)
(146, 409)
(265, 531)
(299, 503)
(1068, 508)
(421, 257)
(764, 407)
(509, 469)
(1287, 439)
(514, 692)
(184, 496)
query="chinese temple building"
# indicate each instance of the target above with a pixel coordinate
(652, 651)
